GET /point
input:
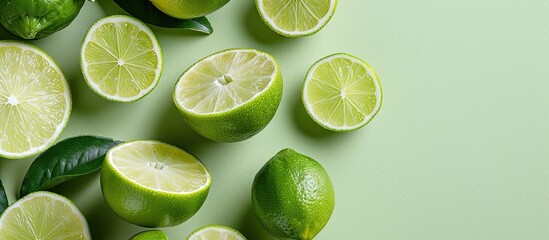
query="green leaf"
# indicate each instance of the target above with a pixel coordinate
(3, 199)
(145, 11)
(66, 160)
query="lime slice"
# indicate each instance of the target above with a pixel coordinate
(43, 215)
(153, 184)
(35, 100)
(216, 232)
(150, 235)
(342, 92)
(121, 59)
(292, 18)
(231, 95)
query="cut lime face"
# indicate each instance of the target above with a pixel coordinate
(153, 184)
(216, 232)
(159, 166)
(121, 59)
(225, 81)
(35, 101)
(292, 18)
(342, 92)
(43, 215)
(230, 95)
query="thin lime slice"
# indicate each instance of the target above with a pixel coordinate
(121, 59)
(153, 184)
(342, 92)
(159, 166)
(43, 215)
(35, 100)
(216, 232)
(150, 235)
(292, 18)
(230, 95)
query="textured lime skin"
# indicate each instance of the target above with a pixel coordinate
(293, 196)
(150, 235)
(239, 123)
(186, 9)
(144, 206)
(35, 19)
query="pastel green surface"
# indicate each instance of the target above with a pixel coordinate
(458, 151)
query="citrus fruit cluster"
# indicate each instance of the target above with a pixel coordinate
(228, 96)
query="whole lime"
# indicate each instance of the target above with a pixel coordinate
(35, 19)
(150, 235)
(293, 196)
(186, 9)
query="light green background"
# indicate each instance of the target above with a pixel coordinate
(459, 150)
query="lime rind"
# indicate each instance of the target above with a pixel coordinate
(66, 95)
(271, 23)
(223, 232)
(221, 75)
(156, 49)
(371, 75)
(137, 176)
(18, 208)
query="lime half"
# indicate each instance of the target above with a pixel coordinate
(35, 100)
(292, 18)
(43, 215)
(231, 95)
(216, 232)
(153, 184)
(121, 58)
(342, 92)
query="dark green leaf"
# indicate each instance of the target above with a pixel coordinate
(3, 199)
(145, 11)
(66, 160)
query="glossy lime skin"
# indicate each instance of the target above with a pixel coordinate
(150, 235)
(144, 206)
(293, 196)
(187, 9)
(35, 19)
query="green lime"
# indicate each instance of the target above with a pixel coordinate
(43, 215)
(186, 9)
(216, 232)
(292, 18)
(231, 95)
(342, 92)
(293, 196)
(153, 184)
(121, 59)
(150, 235)
(35, 100)
(35, 19)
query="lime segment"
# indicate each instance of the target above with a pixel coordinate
(121, 59)
(35, 101)
(342, 92)
(43, 215)
(296, 18)
(216, 232)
